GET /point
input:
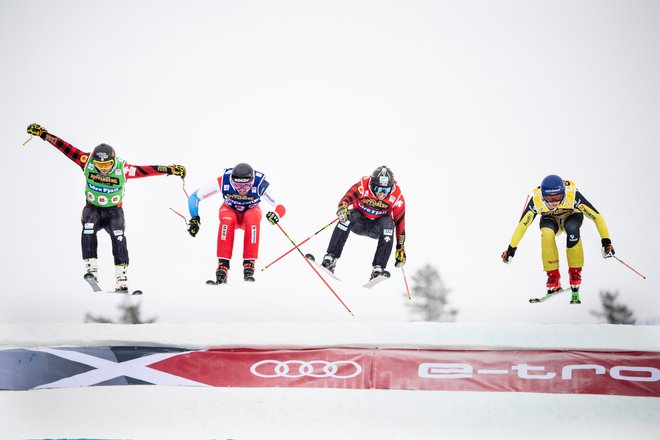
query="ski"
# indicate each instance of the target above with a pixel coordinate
(380, 278)
(551, 295)
(95, 286)
(312, 260)
(92, 282)
(215, 283)
(126, 292)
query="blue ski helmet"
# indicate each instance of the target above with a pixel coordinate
(552, 185)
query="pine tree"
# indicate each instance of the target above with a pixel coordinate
(130, 314)
(429, 295)
(613, 312)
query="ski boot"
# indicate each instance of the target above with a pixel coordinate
(248, 270)
(91, 268)
(575, 274)
(376, 271)
(553, 285)
(222, 271)
(329, 262)
(122, 279)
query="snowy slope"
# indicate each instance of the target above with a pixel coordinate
(239, 413)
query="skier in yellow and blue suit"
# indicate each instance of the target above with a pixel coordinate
(562, 208)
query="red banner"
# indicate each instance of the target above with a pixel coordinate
(537, 371)
(576, 372)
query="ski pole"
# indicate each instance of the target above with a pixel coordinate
(524, 207)
(29, 139)
(297, 246)
(405, 280)
(314, 269)
(184, 188)
(619, 260)
(180, 215)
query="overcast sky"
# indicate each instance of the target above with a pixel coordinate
(471, 103)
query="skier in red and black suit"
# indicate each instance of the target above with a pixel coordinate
(374, 207)
(106, 176)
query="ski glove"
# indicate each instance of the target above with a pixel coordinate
(177, 170)
(400, 256)
(37, 130)
(607, 250)
(193, 225)
(342, 213)
(508, 254)
(272, 217)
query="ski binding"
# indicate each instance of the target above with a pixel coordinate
(380, 278)
(215, 283)
(96, 288)
(312, 260)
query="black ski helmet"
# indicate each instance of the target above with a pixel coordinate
(101, 155)
(103, 152)
(381, 177)
(242, 173)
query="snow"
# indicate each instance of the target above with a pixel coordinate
(160, 412)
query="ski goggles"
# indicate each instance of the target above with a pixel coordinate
(383, 190)
(104, 166)
(554, 198)
(241, 186)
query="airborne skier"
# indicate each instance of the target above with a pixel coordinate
(562, 208)
(242, 189)
(372, 207)
(106, 175)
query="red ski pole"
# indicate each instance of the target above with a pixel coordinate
(314, 269)
(297, 246)
(180, 215)
(405, 280)
(184, 188)
(619, 260)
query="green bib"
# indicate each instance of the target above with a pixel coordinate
(105, 191)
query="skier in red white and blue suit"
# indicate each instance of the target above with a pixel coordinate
(242, 189)
(373, 207)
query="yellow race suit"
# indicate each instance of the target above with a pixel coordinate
(567, 217)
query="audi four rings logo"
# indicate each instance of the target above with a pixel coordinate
(270, 368)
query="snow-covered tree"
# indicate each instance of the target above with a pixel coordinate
(429, 296)
(130, 314)
(613, 312)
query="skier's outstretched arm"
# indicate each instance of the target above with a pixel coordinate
(136, 171)
(274, 216)
(592, 213)
(399, 214)
(351, 195)
(528, 216)
(76, 155)
(193, 205)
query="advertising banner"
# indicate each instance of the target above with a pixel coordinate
(538, 371)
